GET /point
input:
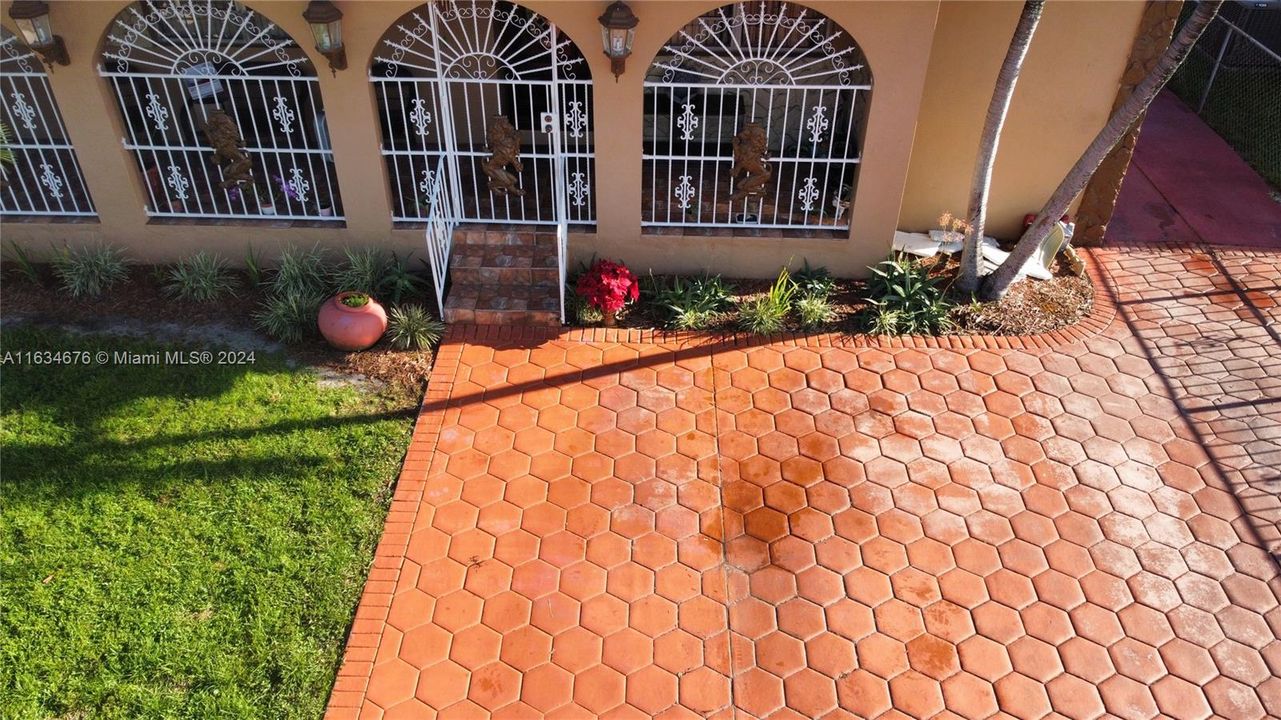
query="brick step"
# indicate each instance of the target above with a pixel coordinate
(465, 236)
(502, 304)
(505, 276)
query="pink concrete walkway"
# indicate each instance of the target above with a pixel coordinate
(1186, 184)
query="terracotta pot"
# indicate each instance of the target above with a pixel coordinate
(610, 318)
(352, 328)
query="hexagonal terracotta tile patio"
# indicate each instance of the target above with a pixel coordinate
(1071, 528)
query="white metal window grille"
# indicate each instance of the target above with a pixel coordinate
(444, 71)
(170, 64)
(786, 68)
(45, 178)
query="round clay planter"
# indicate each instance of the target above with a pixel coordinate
(351, 328)
(610, 319)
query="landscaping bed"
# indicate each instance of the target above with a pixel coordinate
(1030, 307)
(142, 298)
(181, 541)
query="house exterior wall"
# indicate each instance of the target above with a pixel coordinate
(933, 65)
(1063, 98)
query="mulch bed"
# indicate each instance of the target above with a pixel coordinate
(141, 298)
(1030, 307)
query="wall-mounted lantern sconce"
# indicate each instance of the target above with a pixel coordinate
(618, 32)
(32, 18)
(326, 27)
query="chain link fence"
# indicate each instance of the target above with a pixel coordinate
(1232, 80)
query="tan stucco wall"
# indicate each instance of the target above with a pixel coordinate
(1080, 48)
(1062, 99)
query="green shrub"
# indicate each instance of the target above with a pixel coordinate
(814, 311)
(814, 282)
(253, 267)
(576, 306)
(398, 281)
(202, 277)
(301, 273)
(691, 304)
(19, 257)
(767, 314)
(411, 326)
(364, 272)
(88, 271)
(905, 299)
(290, 316)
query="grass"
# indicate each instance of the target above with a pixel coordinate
(182, 541)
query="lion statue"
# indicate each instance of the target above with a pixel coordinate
(229, 150)
(504, 148)
(751, 159)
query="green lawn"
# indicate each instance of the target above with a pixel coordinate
(182, 542)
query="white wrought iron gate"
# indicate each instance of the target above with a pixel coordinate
(446, 72)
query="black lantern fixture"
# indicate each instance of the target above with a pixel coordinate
(326, 27)
(32, 18)
(618, 32)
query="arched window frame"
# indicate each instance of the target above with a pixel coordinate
(785, 67)
(45, 178)
(171, 64)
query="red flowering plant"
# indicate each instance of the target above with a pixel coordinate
(608, 286)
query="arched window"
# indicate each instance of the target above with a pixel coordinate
(222, 111)
(44, 178)
(446, 72)
(782, 83)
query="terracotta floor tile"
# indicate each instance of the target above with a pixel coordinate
(876, 532)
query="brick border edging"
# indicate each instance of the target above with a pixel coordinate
(362, 642)
(1101, 315)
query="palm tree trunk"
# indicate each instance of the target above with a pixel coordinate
(1074, 182)
(971, 254)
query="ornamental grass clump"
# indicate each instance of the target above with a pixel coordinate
(608, 286)
(203, 277)
(767, 314)
(814, 312)
(412, 327)
(364, 270)
(296, 289)
(301, 272)
(289, 317)
(89, 271)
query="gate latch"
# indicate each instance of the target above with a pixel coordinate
(548, 120)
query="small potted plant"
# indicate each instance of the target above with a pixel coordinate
(266, 198)
(608, 286)
(352, 321)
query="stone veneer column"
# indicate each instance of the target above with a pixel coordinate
(1099, 199)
